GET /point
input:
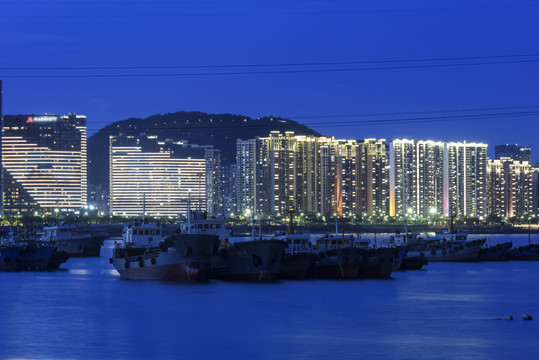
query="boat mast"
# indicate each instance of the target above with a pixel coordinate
(252, 224)
(291, 221)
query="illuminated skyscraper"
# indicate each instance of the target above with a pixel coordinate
(245, 174)
(165, 174)
(430, 180)
(419, 178)
(44, 163)
(313, 175)
(306, 174)
(373, 178)
(466, 181)
(403, 178)
(510, 188)
(496, 189)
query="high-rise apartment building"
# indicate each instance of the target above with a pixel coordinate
(307, 174)
(466, 179)
(214, 188)
(339, 176)
(245, 174)
(403, 178)
(313, 175)
(373, 178)
(228, 182)
(431, 178)
(510, 188)
(496, 188)
(44, 163)
(162, 175)
(416, 178)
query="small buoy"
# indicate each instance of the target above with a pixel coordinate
(526, 317)
(508, 317)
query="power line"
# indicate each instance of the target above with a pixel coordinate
(290, 117)
(268, 64)
(267, 71)
(433, 119)
(412, 112)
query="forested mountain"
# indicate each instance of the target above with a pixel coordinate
(219, 130)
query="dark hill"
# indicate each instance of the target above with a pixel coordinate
(219, 130)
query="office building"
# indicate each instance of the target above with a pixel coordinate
(514, 152)
(160, 175)
(44, 164)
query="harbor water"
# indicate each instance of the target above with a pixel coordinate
(447, 311)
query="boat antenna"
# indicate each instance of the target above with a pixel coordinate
(342, 229)
(291, 220)
(404, 222)
(253, 224)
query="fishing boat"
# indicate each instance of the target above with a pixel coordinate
(529, 252)
(19, 253)
(257, 259)
(337, 257)
(298, 260)
(252, 260)
(379, 263)
(498, 252)
(75, 241)
(152, 251)
(447, 246)
(457, 248)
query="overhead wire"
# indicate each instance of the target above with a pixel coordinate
(189, 127)
(292, 64)
(266, 71)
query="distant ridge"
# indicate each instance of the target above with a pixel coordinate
(219, 130)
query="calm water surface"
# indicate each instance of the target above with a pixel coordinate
(444, 312)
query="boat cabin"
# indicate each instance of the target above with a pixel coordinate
(296, 243)
(145, 235)
(406, 238)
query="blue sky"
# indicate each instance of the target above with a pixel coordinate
(335, 99)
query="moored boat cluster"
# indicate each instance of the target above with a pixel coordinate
(46, 248)
(199, 250)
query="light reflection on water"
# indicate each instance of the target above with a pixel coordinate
(444, 312)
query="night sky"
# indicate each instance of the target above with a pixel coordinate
(446, 70)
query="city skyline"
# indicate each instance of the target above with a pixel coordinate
(447, 72)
